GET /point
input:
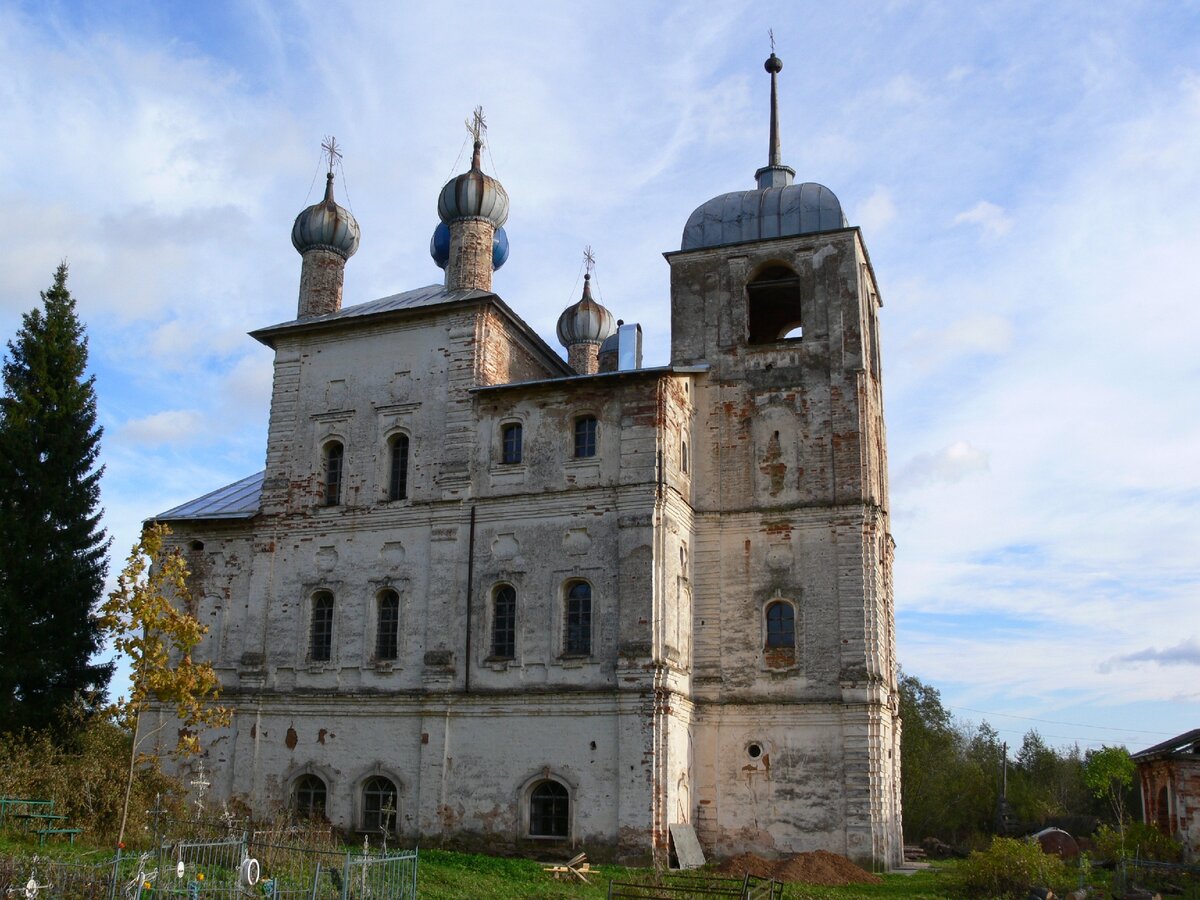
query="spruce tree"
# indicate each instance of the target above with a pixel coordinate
(53, 552)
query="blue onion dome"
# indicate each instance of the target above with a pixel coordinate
(439, 246)
(763, 214)
(474, 195)
(326, 226)
(586, 321)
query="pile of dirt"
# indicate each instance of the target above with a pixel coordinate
(818, 867)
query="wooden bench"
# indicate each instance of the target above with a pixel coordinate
(44, 833)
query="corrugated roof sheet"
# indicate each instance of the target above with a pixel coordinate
(239, 500)
(1181, 743)
(430, 295)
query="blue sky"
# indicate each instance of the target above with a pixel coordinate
(1025, 174)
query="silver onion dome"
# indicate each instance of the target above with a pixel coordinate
(474, 195)
(326, 226)
(585, 322)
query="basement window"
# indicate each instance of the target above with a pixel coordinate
(549, 810)
(773, 306)
(308, 797)
(379, 805)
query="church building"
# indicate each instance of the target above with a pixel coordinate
(484, 596)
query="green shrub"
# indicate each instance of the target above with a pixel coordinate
(1141, 840)
(1009, 868)
(85, 777)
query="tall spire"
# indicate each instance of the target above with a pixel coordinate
(774, 173)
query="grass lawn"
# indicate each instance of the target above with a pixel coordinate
(453, 876)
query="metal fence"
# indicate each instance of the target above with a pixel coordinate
(238, 867)
(1176, 879)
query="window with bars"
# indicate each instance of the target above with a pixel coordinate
(334, 455)
(387, 636)
(379, 805)
(781, 626)
(510, 443)
(585, 437)
(578, 638)
(308, 797)
(504, 622)
(320, 647)
(549, 810)
(398, 472)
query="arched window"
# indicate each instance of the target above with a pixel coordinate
(585, 437)
(549, 810)
(320, 647)
(333, 473)
(578, 637)
(773, 306)
(504, 622)
(510, 443)
(379, 804)
(683, 457)
(781, 626)
(398, 467)
(308, 797)
(387, 636)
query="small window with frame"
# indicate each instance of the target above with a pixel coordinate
(334, 458)
(510, 443)
(585, 437)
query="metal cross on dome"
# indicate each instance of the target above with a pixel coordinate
(771, 35)
(589, 260)
(330, 146)
(477, 125)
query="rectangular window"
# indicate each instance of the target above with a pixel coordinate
(504, 624)
(333, 474)
(321, 635)
(578, 638)
(585, 437)
(387, 640)
(511, 452)
(398, 481)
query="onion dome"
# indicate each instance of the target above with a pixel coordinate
(585, 322)
(776, 208)
(474, 195)
(326, 226)
(439, 246)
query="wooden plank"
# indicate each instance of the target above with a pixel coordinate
(687, 846)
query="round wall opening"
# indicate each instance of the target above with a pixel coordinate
(754, 750)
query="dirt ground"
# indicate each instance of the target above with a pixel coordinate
(819, 867)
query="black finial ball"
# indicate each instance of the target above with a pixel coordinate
(773, 64)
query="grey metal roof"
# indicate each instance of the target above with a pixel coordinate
(240, 500)
(430, 295)
(1181, 743)
(763, 214)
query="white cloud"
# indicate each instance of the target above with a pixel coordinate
(945, 466)
(992, 219)
(1185, 653)
(877, 211)
(176, 426)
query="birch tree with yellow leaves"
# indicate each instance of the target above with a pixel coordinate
(150, 619)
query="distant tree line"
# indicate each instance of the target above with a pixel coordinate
(953, 777)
